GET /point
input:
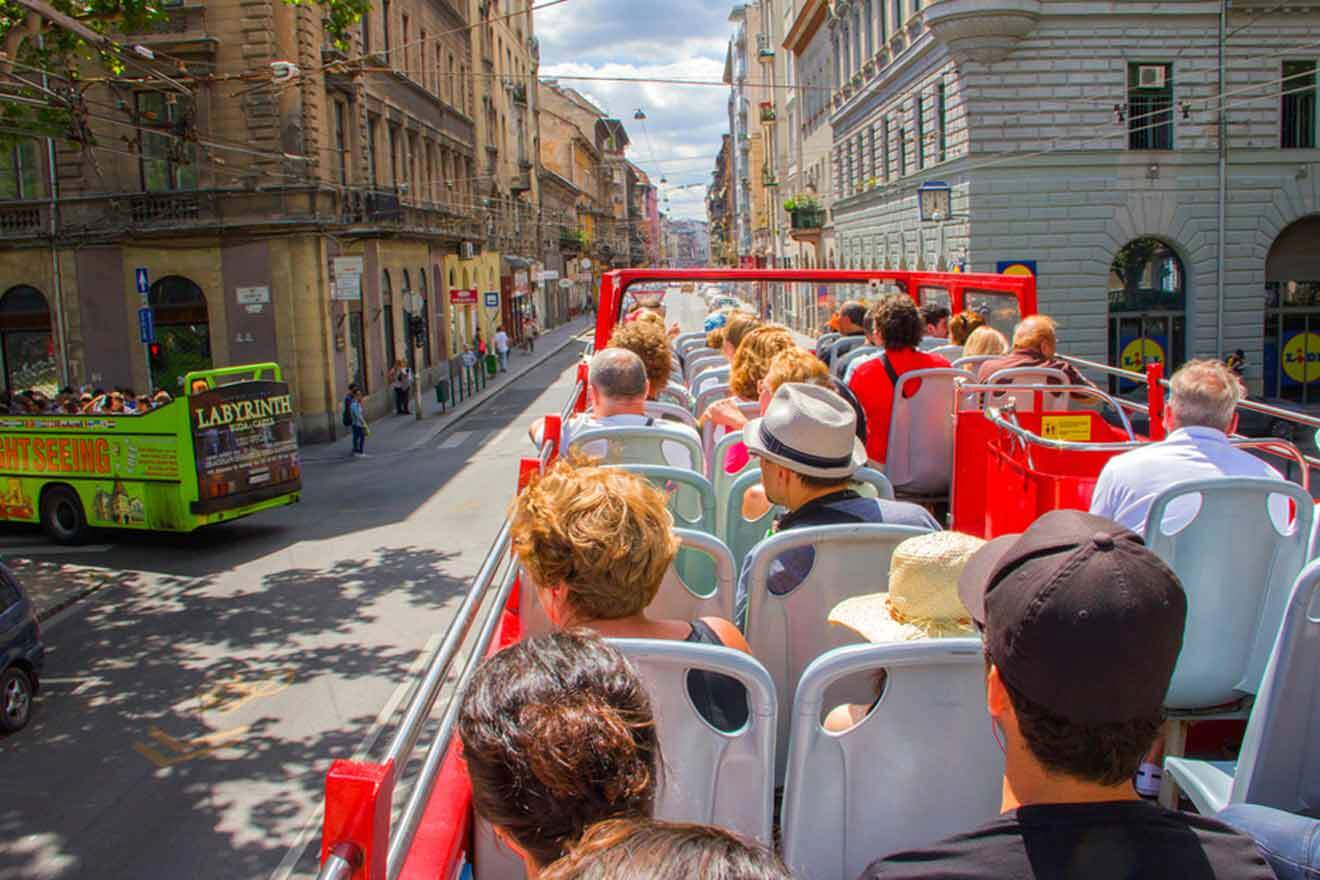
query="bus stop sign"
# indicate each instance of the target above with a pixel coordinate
(146, 326)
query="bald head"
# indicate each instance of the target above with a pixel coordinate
(1036, 333)
(617, 374)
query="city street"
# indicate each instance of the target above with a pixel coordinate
(192, 704)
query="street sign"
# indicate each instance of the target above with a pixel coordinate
(143, 284)
(463, 297)
(565, 283)
(252, 296)
(348, 279)
(492, 299)
(146, 326)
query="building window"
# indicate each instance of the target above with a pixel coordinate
(1297, 121)
(394, 155)
(366, 32)
(869, 24)
(27, 347)
(942, 120)
(341, 142)
(404, 49)
(845, 52)
(898, 16)
(919, 110)
(20, 170)
(373, 126)
(884, 146)
(385, 29)
(902, 152)
(168, 162)
(1150, 106)
(1147, 308)
(183, 331)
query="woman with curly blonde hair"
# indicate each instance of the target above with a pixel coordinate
(595, 543)
(647, 340)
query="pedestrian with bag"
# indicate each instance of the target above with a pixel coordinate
(502, 348)
(401, 379)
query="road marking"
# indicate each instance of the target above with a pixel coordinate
(458, 438)
(51, 549)
(80, 683)
(233, 693)
(410, 678)
(198, 747)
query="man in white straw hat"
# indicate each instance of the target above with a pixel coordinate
(922, 603)
(809, 451)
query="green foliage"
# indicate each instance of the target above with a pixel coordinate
(802, 203)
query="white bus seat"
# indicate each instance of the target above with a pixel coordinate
(922, 765)
(720, 479)
(674, 412)
(684, 343)
(741, 534)
(1237, 571)
(691, 497)
(839, 366)
(1279, 763)
(709, 378)
(712, 434)
(1025, 401)
(786, 632)
(949, 352)
(660, 444)
(826, 340)
(711, 777)
(843, 345)
(703, 400)
(676, 394)
(696, 363)
(972, 362)
(919, 460)
(857, 363)
(702, 350)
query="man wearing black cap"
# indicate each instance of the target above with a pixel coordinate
(1082, 627)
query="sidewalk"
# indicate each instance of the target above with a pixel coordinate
(397, 434)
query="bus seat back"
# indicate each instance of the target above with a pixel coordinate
(919, 460)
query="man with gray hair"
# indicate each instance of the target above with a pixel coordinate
(617, 389)
(1201, 413)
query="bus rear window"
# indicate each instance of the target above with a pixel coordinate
(999, 309)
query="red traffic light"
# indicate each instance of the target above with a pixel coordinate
(154, 350)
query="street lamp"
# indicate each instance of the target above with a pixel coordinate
(640, 115)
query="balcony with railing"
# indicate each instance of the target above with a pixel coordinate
(23, 219)
(182, 29)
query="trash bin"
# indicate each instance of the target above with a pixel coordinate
(492, 364)
(442, 392)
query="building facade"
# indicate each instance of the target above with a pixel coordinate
(1084, 143)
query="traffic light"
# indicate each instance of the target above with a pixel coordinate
(417, 327)
(155, 353)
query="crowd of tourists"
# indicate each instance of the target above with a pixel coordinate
(1080, 622)
(87, 400)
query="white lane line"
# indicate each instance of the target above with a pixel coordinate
(285, 868)
(458, 438)
(50, 549)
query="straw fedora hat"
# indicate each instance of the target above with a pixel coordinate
(809, 430)
(923, 601)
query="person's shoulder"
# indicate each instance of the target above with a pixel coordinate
(1222, 849)
(994, 851)
(904, 513)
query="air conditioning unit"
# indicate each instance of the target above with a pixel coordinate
(467, 251)
(1151, 76)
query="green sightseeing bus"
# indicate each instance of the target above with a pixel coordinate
(225, 449)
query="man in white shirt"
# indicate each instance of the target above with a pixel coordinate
(1201, 413)
(616, 398)
(502, 348)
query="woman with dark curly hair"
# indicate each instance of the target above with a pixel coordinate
(897, 322)
(558, 735)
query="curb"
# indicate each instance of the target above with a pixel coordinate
(450, 418)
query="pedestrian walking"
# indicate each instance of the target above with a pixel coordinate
(480, 345)
(530, 332)
(401, 379)
(355, 417)
(502, 348)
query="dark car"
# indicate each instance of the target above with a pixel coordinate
(21, 653)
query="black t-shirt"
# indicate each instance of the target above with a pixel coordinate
(1126, 840)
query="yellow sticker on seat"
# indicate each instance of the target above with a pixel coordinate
(1075, 429)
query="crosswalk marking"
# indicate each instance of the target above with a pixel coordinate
(458, 438)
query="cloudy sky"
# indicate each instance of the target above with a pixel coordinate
(669, 39)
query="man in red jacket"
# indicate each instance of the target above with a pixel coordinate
(897, 322)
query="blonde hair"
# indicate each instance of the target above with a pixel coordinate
(738, 327)
(753, 358)
(647, 340)
(715, 338)
(796, 365)
(646, 316)
(985, 340)
(603, 533)
(964, 324)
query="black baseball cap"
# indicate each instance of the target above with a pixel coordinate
(1078, 616)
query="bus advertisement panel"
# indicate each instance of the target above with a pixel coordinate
(245, 442)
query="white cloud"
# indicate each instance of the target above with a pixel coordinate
(673, 40)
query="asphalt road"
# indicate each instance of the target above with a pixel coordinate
(192, 705)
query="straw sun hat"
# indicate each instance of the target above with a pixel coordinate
(922, 602)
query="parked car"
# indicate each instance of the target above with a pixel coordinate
(22, 653)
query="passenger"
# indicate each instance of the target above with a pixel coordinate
(750, 365)
(937, 326)
(616, 397)
(715, 338)
(85, 402)
(161, 398)
(921, 602)
(896, 319)
(851, 322)
(809, 452)
(595, 543)
(1201, 413)
(557, 735)
(1034, 345)
(648, 849)
(735, 331)
(964, 324)
(1082, 627)
(985, 340)
(647, 341)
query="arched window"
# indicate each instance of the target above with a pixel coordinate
(387, 316)
(408, 346)
(1147, 307)
(183, 331)
(1291, 359)
(425, 314)
(26, 342)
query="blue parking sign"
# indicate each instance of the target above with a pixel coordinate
(143, 285)
(146, 326)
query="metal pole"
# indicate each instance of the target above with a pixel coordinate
(1223, 189)
(57, 275)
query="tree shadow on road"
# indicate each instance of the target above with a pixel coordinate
(171, 739)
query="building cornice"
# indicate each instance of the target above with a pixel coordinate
(805, 26)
